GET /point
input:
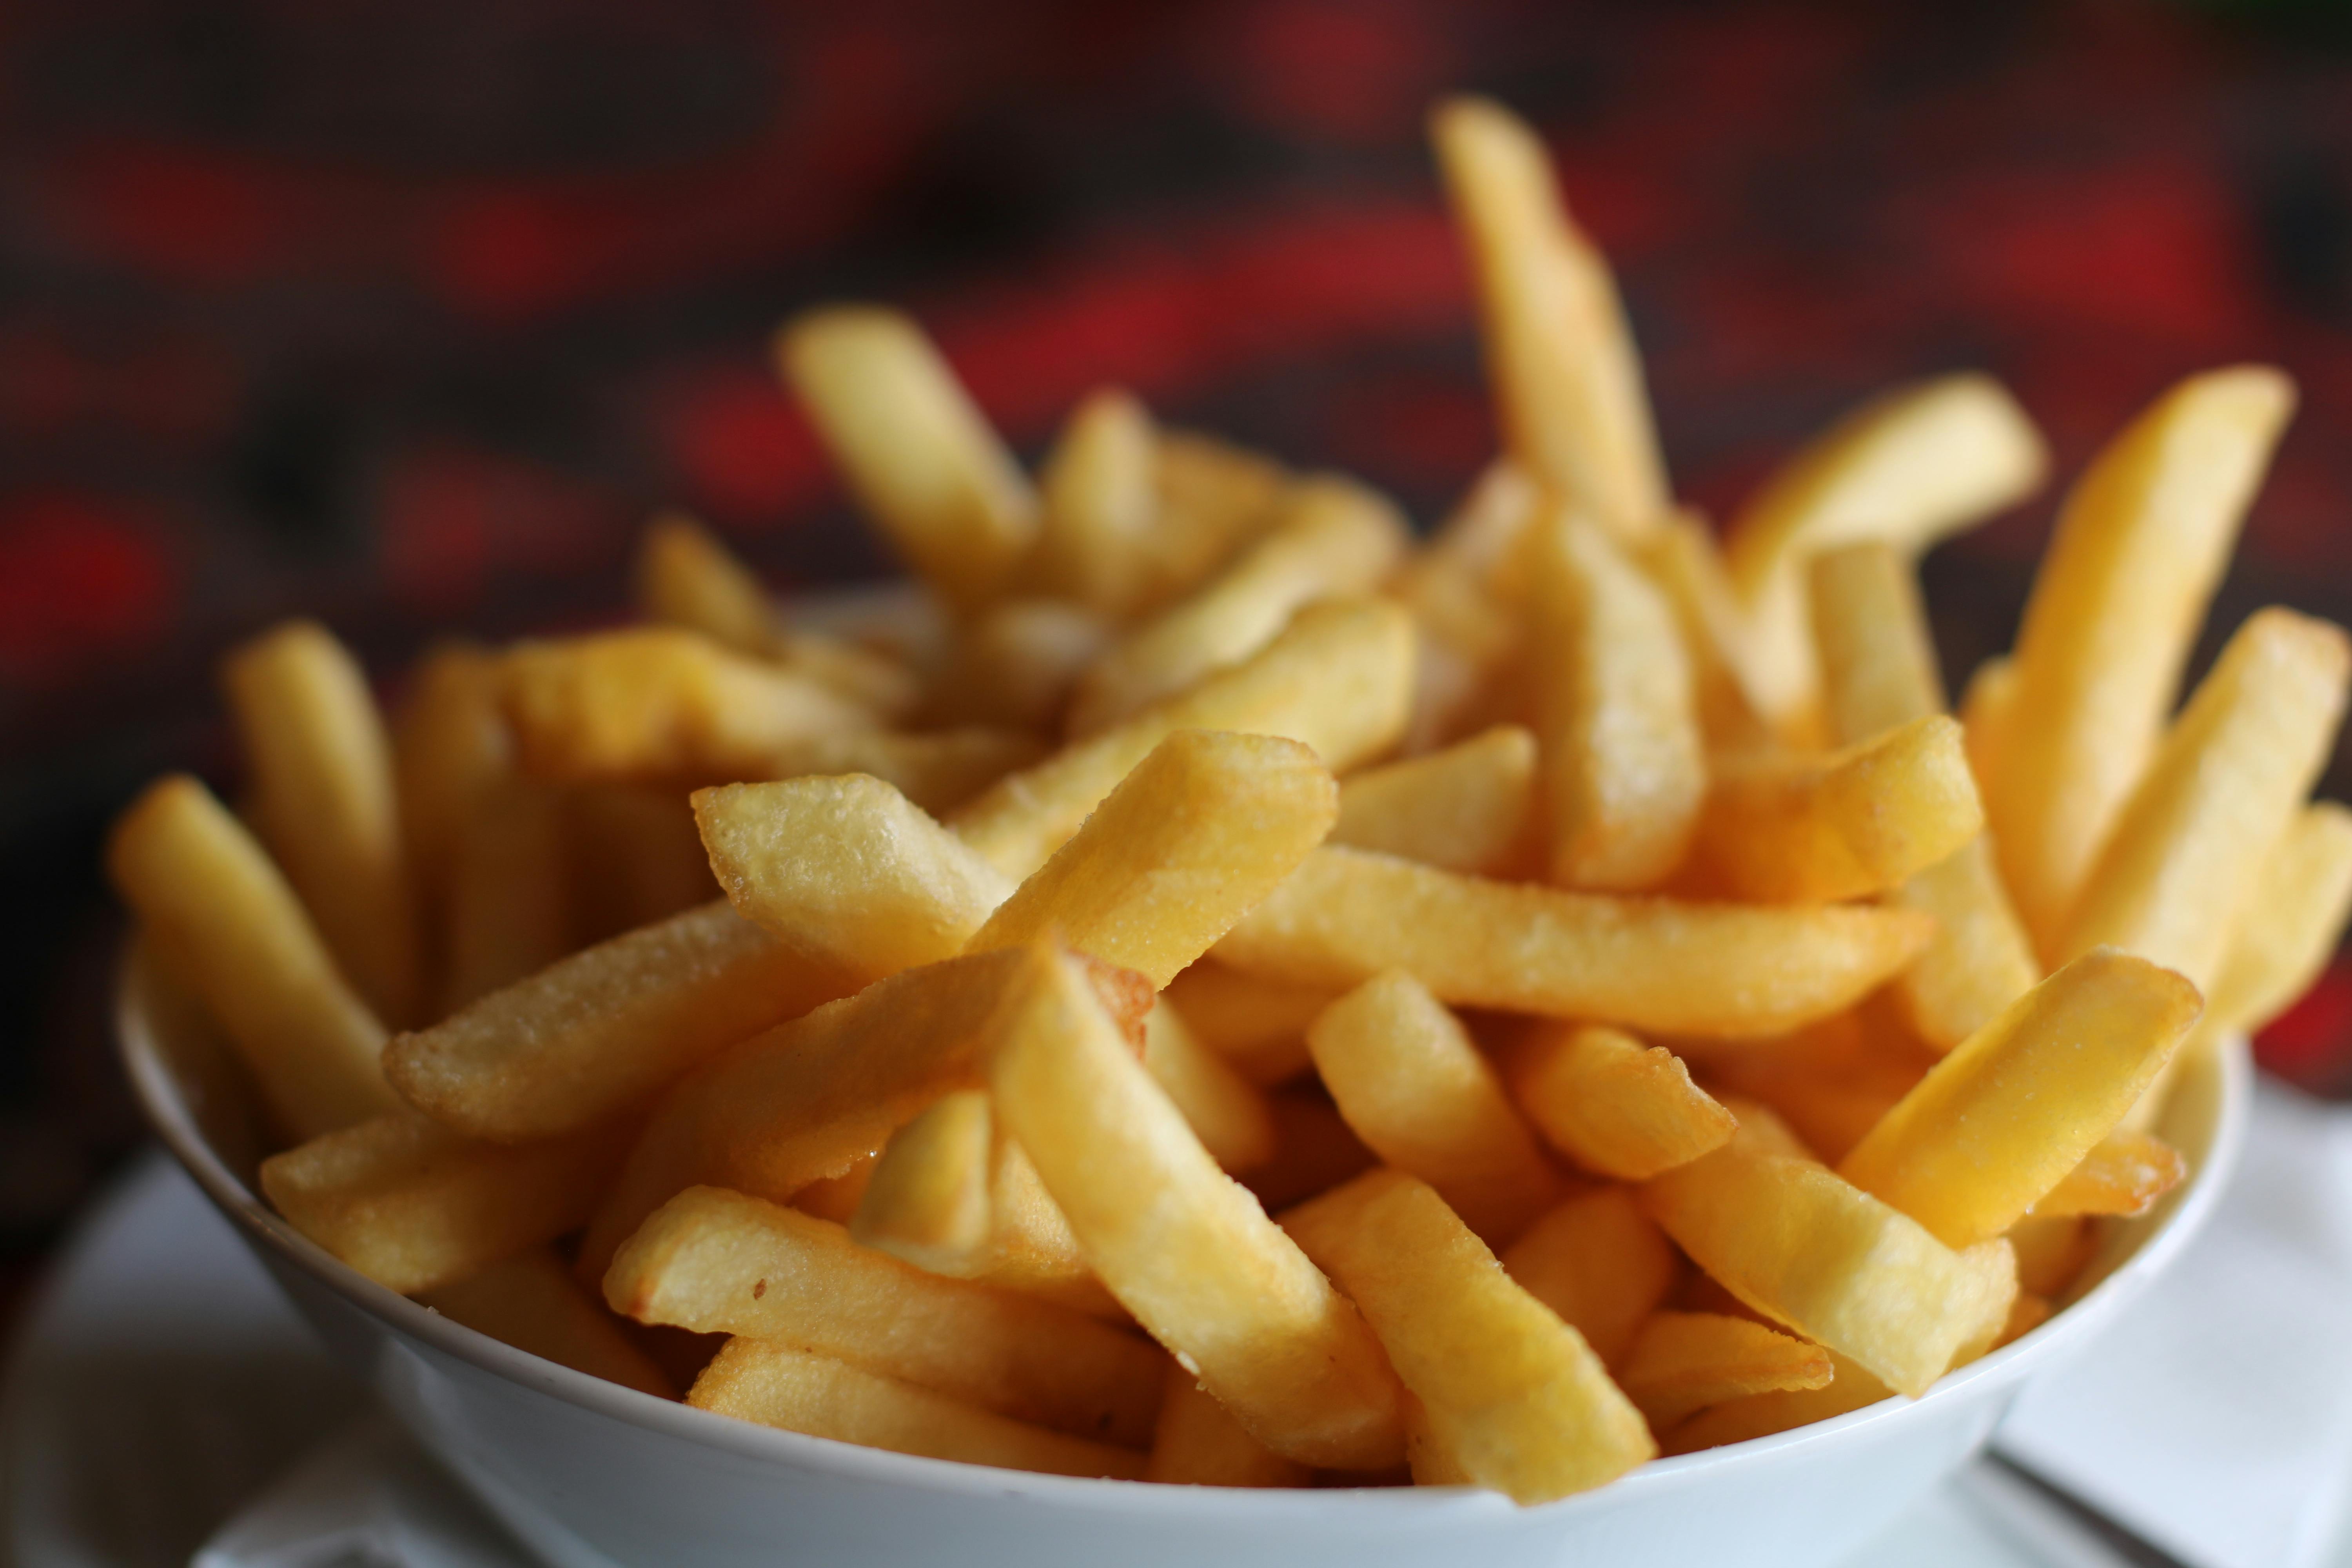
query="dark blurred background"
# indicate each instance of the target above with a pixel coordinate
(405, 315)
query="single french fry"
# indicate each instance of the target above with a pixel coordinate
(414, 1205)
(1611, 1104)
(509, 893)
(1984, 713)
(1016, 663)
(320, 767)
(939, 770)
(926, 1197)
(920, 457)
(2291, 925)
(2124, 1173)
(449, 746)
(229, 928)
(1409, 1082)
(1226, 1111)
(684, 577)
(1601, 1263)
(1908, 466)
(2050, 1252)
(1681, 1363)
(1714, 970)
(1512, 1394)
(1684, 561)
(1315, 1150)
(1466, 808)
(1213, 497)
(2141, 543)
(1850, 1387)
(779, 1385)
(1338, 680)
(717, 1261)
(1257, 1024)
(1183, 1247)
(1198, 1444)
(1567, 379)
(635, 857)
(532, 1303)
(1099, 504)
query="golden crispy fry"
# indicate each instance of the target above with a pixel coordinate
(2124, 1172)
(684, 577)
(2050, 1252)
(1339, 680)
(1984, 710)
(594, 1034)
(1908, 466)
(926, 1197)
(1100, 503)
(635, 857)
(1859, 821)
(1258, 1025)
(2144, 537)
(449, 745)
(1016, 663)
(1683, 558)
(414, 1205)
(1466, 808)
(1601, 1263)
(1560, 356)
(939, 770)
(778, 1386)
(1624, 763)
(1513, 1395)
(1186, 1251)
(920, 457)
(1684, 1362)
(1850, 1388)
(509, 893)
(320, 767)
(1226, 1111)
(229, 927)
(717, 1261)
(1314, 1149)
(1717, 970)
(1202, 829)
(2290, 926)
(1213, 497)
(1412, 1086)
(532, 1303)
(1197, 1443)
(1611, 1104)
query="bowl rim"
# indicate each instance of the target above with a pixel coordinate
(164, 1103)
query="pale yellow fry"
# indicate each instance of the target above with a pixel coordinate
(1257, 1025)
(926, 1197)
(1198, 1444)
(449, 745)
(1684, 1362)
(532, 1303)
(1467, 599)
(1227, 1112)
(1334, 538)
(1339, 680)
(2291, 925)
(1908, 466)
(1998, 1122)
(1183, 1248)
(1100, 502)
(1213, 497)
(1984, 710)
(319, 768)
(229, 928)
(2187, 847)
(1015, 664)
(1613, 1104)
(939, 770)
(916, 452)
(1717, 970)
(1560, 354)
(1686, 563)
(1513, 1395)
(718, 1262)
(509, 892)
(1415, 1088)
(684, 577)
(1601, 1263)
(1850, 1388)
(1200, 829)
(2146, 534)
(1624, 763)
(2124, 1172)
(1466, 808)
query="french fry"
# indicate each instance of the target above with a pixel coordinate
(1560, 354)
(1467, 602)
(939, 770)
(1466, 808)
(414, 1206)
(1715, 969)
(1225, 1110)
(1213, 497)
(2116, 606)
(684, 577)
(1427, 1458)
(1512, 1394)
(1908, 466)
(1850, 1387)
(1611, 1104)
(1984, 710)
(1186, 1251)
(1315, 1150)
(229, 927)
(509, 893)
(1100, 502)
(1339, 680)
(449, 746)
(1624, 763)
(1031, 1247)
(1197, 1443)
(1681, 1363)
(717, 1261)
(1419, 1093)
(1257, 1024)
(1683, 558)
(320, 767)
(1601, 1263)
(1016, 663)
(2290, 926)
(920, 457)
(532, 1303)
(836, 1197)
(2124, 1173)
(1860, 821)
(926, 1197)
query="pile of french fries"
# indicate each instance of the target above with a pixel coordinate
(1208, 989)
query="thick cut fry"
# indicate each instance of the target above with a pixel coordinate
(229, 928)
(1908, 467)
(1466, 808)
(1611, 1104)
(938, 770)
(1335, 539)
(686, 578)
(717, 1261)
(1850, 1388)
(2124, 1172)
(1997, 1124)
(2189, 845)
(1202, 829)
(323, 797)
(920, 457)
(1226, 1111)
(2145, 536)
(594, 1034)
(1624, 763)
(1185, 1249)
(532, 1303)
(1339, 680)
(449, 746)
(1512, 1394)
(414, 1205)
(1199, 1445)
(927, 1199)
(2290, 927)
(847, 871)
(1409, 1082)
(1860, 821)
(509, 892)
(1099, 504)
(1601, 1263)
(1016, 663)
(1684, 1362)
(1560, 354)
(778, 1386)
(1714, 970)
(1688, 566)
(1259, 1025)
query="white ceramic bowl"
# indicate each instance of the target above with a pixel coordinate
(592, 1475)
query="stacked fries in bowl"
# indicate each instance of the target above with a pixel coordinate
(1205, 989)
